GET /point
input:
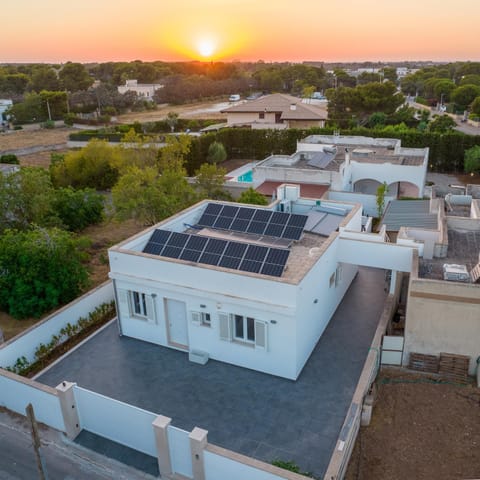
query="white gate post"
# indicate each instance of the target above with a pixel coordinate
(198, 442)
(160, 429)
(68, 404)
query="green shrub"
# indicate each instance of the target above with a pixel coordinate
(9, 158)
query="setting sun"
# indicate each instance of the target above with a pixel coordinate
(206, 48)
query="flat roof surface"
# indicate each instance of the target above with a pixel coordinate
(304, 253)
(249, 412)
(463, 249)
(409, 213)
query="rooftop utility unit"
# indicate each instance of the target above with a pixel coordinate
(455, 273)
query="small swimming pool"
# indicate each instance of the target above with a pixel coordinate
(247, 177)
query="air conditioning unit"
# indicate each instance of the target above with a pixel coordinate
(455, 273)
(285, 206)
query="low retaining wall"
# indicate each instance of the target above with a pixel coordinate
(26, 342)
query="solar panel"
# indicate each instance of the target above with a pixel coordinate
(250, 266)
(196, 242)
(178, 239)
(278, 256)
(153, 248)
(223, 223)
(216, 246)
(239, 225)
(262, 216)
(256, 227)
(210, 258)
(245, 213)
(230, 262)
(292, 233)
(272, 269)
(255, 221)
(207, 220)
(229, 211)
(160, 236)
(256, 252)
(235, 249)
(171, 252)
(296, 220)
(274, 230)
(213, 208)
(214, 251)
(280, 218)
(190, 255)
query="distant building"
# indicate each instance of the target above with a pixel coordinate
(143, 90)
(276, 111)
(5, 104)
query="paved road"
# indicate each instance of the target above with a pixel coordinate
(64, 460)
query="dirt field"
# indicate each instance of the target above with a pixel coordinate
(192, 110)
(420, 430)
(33, 138)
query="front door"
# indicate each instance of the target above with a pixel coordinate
(177, 323)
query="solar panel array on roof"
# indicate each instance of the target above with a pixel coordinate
(321, 159)
(213, 251)
(253, 220)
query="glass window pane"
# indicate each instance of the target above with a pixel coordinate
(251, 329)
(136, 302)
(144, 305)
(238, 326)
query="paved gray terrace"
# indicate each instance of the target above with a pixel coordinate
(256, 414)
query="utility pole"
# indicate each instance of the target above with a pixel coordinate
(48, 108)
(42, 470)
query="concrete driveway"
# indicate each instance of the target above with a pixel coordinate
(249, 412)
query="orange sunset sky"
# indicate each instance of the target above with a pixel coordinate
(271, 30)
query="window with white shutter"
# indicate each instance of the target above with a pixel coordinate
(224, 327)
(260, 334)
(196, 318)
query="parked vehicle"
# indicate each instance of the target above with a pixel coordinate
(234, 98)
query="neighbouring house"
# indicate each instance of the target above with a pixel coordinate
(254, 287)
(279, 111)
(5, 104)
(143, 90)
(350, 168)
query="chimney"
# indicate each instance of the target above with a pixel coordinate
(293, 106)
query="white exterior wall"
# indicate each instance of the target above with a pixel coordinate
(234, 118)
(368, 202)
(317, 301)
(218, 292)
(293, 175)
(387, 172)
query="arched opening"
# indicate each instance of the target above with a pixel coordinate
(407, 190)
(366, 186)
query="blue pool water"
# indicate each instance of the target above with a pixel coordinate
(247, 177)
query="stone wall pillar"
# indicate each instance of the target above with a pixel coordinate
(198, 442)
(160, 429)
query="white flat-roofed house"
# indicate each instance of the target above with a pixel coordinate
(254, 287)
(143, 90)
(5, 104)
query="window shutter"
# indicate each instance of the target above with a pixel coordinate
(123, 303)
(225, 330)
(260, 334)
(196, 318)
(338, 274)
(150, 304)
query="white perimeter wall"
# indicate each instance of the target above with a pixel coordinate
(17, 392)
(117, 421)
(26, 343)
(369, 202)
(179, 446)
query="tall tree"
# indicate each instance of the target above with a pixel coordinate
(74, 77)
(210, 181)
